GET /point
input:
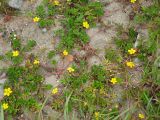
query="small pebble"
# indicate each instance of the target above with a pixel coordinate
(44, 30)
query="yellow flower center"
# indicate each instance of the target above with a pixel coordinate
(36, 19)
(7, 91)
(56, 2)
(55, 90)
(65, 53)
(113, 80)
(133, 1)
(96, 114)
(5, 106)
(141, 116)
(36, 62)
(85, 24)
(15, 53)
(130, 64)
(132, 51)
(85, 103)
(70, 69)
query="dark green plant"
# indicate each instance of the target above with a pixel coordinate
(126, 44)
(29, 46)
(89, 91)
(149, 49)
(41, 12)
(44, 15)
(51, 54)
(75, 13)
(45, 23)
(111, 55)
(73, 22)
(24, 80)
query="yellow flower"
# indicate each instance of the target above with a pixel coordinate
(55, 90)
(36, 62)
(133, 1)
(85, 24)
(7, 91)
(56, 2)
(130, 64)
(141, 116)
(15, 53)
(65, 52)
(96, 114)
(5, 106)
(113, 81)
(70, 69)
(116, 106)
(85, 103)
(36, 19)
(132, 51)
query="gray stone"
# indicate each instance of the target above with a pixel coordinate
(51, 114)
(28, 115)
(129, 104)
(52, 80)
(2, 81)
(136, 74)
(143, 34)
(17, 4)
(80, 53)
(99, 39)
(94, 60)
(136, 60)
(147, 3)
(118, 91)
(44, 30)
(116, 15)
(45, 41)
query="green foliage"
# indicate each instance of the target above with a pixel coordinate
(45, 23)
(147, 52)
(99, 75)
(126, 44)
(73, 22)
(151, 106)
(40, 11)
(89, 91)
(24, 80)
(16, 45)
(149, 48)
(54, 62)
(111, 55)
(51, 10)
(74, 15)
(148, 14)
(51, 54)
(14, 60)
(30, 44)
(44, 15)
(76, 81)
(14, 73)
